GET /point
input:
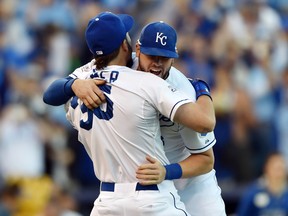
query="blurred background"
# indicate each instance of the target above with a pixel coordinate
(239, 47)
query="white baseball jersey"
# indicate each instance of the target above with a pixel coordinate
(127, 126)
(201, 194)
(126, 129)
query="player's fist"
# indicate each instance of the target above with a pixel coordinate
(150, 173)
(201, 87)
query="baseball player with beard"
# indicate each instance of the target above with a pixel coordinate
(198, 186)
(117, 147)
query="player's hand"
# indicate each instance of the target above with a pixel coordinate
(88, 92)
(151, 173)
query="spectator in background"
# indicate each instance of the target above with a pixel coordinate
(269, 194)
(234, 120)
(54, 20)
(9, 195)
(21, 149)
(3, 69)
(22, 157)
(197, 58)
(61, 203)
(255, 29)
(281, 117)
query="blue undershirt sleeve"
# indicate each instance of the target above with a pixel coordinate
(59, 92)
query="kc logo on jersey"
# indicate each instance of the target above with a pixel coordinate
(162, 38)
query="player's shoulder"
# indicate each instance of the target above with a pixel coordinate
(83, 71)
(175, 71)
(149, 81)
(176, 75)
(177, 78)
(87, 68)
(135, 75)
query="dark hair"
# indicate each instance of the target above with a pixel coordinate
(103, 61)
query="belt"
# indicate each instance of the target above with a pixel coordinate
(109, 186)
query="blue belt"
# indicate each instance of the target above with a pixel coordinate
(108, 186)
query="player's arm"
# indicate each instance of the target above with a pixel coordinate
(154, 172)
(203, 96)
(197, 116)
(61, 90)
(202, 162)
(201, 116)
(197, 164)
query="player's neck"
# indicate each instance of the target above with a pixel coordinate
(118, 62)
(120, 59)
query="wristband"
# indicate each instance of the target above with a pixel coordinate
(201, 88)
(173, 171)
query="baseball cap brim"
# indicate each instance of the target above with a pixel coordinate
(127, 20)
(158, 52)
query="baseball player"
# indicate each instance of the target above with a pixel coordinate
(198, 187)
(175, 136)
(117, 146)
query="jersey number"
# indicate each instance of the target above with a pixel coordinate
(104, 113)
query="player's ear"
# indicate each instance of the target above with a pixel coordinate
(125, 45)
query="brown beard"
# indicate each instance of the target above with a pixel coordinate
(166, 74)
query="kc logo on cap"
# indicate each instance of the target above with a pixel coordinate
(161, 37)
(158, 39)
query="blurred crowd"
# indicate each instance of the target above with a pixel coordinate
(240, 47)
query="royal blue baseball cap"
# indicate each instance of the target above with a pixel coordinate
(106, 31)
(158, 39)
